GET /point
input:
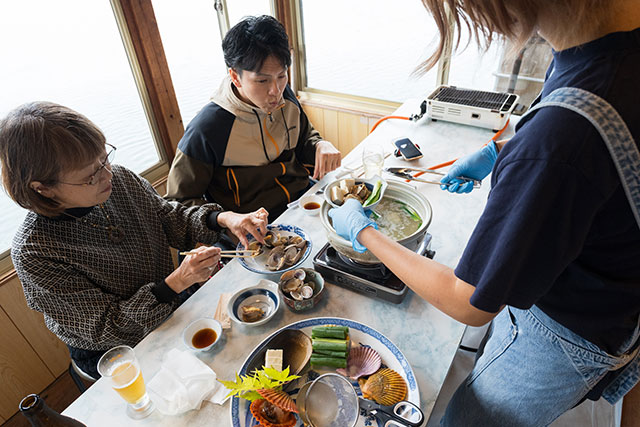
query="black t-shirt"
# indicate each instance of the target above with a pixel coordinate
(558, 230)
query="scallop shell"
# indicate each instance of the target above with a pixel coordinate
(279, 398)
(386, 387)
(256, 408)
(362, 361)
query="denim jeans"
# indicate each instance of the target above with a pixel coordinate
(532, 370)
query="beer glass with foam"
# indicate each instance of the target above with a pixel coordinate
(120, 366)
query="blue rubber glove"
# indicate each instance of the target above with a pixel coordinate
(349, 220)
(476, 166)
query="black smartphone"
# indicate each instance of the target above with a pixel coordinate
(408, 149)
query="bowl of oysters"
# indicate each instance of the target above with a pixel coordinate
(301, 288)
(285, 248)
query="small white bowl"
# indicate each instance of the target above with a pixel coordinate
(196, 326)
(264, 295)
(311, 204)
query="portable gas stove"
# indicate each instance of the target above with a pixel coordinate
(374, 280)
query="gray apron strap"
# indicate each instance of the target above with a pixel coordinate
(624, 153)
(613, 131)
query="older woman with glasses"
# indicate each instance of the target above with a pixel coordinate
(93, 251)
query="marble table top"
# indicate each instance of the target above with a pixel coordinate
(427, 337)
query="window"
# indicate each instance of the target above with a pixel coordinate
(193, 46)
(192, 43)
(473, 68)
(71, 53)
(367, 48)
(239, 9)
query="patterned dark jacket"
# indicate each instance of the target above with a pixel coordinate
(95, 293)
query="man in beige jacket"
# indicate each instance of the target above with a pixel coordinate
(252, 146)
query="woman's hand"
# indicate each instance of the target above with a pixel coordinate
(254, 223)
(194, 268)
(328, 158)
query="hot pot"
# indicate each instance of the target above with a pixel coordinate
(398, 191)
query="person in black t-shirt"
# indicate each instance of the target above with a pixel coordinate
(553, 260)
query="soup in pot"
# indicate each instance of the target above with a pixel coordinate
(397, 219)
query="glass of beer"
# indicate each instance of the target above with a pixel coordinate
(120, 366)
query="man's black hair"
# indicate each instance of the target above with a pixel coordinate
(252, 40)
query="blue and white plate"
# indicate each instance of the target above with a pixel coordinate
(360, 334)
(259, 264)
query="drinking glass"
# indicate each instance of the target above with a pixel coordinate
(372, 160)
(121, 367)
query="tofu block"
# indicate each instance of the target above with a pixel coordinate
(273, 359)
(346, 184)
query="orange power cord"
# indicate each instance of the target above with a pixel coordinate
(447, 163)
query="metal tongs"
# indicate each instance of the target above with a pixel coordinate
(405, 172)
(403, 414)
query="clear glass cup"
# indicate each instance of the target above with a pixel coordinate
(120, 366)
(372, 160)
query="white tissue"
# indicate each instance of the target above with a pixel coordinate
(183, 382)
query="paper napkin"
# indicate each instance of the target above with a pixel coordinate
(183, 382)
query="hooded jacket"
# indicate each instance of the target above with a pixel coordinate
(241, 157)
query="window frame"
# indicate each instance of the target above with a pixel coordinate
(143, 46)
(289, 13)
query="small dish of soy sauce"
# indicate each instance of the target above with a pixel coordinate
(202, 334)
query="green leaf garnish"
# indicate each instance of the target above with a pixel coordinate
(374, 196)
(265, 378)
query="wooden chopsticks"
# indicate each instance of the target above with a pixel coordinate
(229, 254)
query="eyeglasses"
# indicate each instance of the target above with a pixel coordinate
(95, 178)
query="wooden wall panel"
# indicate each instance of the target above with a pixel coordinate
(352, 129)
(51, 350)
(21, 370)
(330, 127)
(316, 117)
(344, 128)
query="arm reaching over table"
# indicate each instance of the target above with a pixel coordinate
(431, 280)
(475, 166)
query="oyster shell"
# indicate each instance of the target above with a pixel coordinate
(270, 239)
(279, 398)
(362, 361)
(298, 273)
(290, 254)
(276, 257)
(292, 285)
(386, 387)
(257, 247)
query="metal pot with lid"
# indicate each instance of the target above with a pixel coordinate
(397, 191)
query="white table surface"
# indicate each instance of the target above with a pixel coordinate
(427, 337)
